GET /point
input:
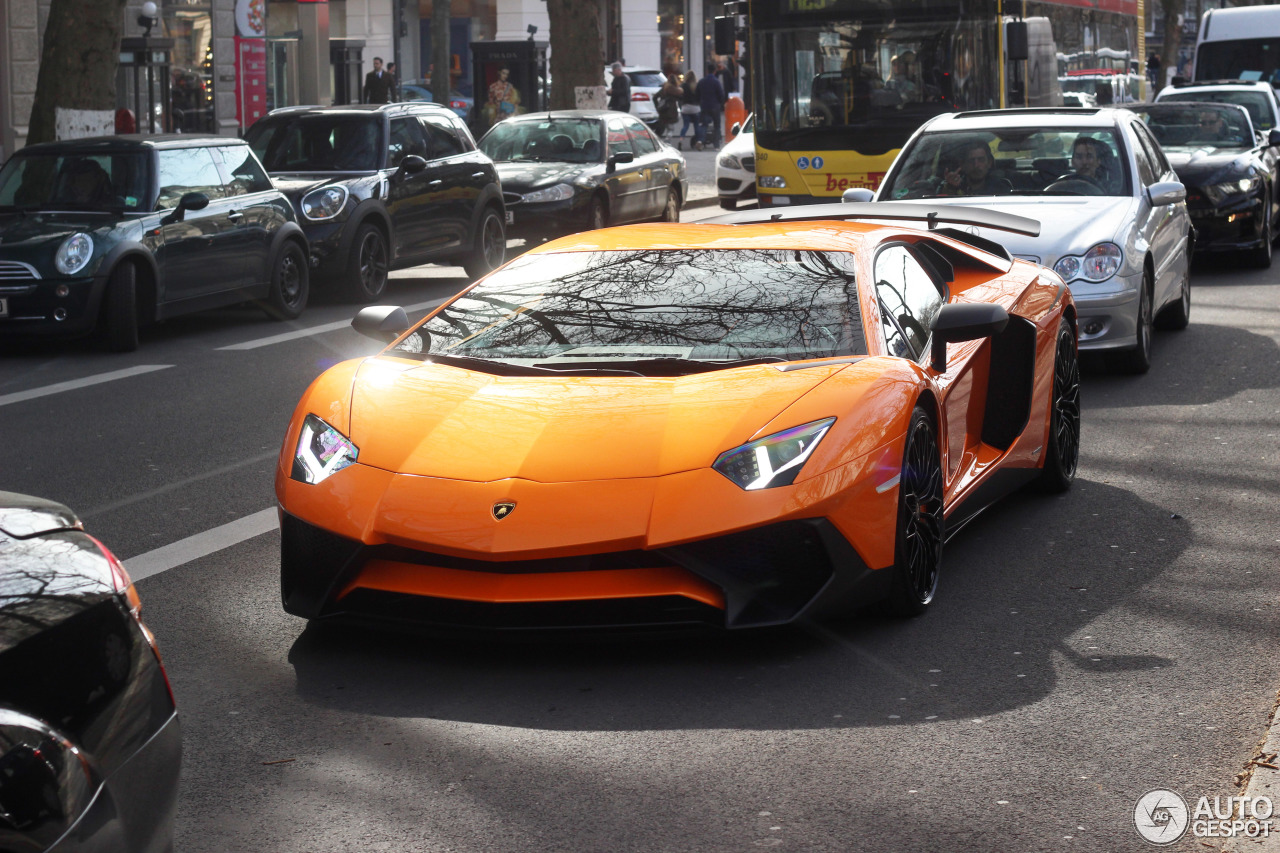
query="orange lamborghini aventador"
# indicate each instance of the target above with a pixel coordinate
(736, 424)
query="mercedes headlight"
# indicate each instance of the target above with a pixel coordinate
(1218, 192)
(772, 182)
(730, 161)
(73, 254)
(322, 452)
(324, 203)
(1098, 264)
(774, 460)
(559, 192)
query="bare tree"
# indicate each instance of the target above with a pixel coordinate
(441, 52)
(77, 68)
(577, 56)
(1172, 37)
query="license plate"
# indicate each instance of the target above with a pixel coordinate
(4, 307)
(511, 217)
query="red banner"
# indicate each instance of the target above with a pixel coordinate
(251, 80)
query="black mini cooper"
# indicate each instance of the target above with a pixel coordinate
(384, 186)
(114, 232)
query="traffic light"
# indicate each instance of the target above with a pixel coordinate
(726, 34)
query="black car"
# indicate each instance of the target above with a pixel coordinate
(575, 170)
(118, 231)
(90, 744)
(384, 186)
(1228, 171)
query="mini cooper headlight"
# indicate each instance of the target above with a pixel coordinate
(557, 193)
(773, 182)
(322, 452)
(730, 161)
(1218, 192)
(324, 203)
(1098, 264)
(774, 460)
(73, 254)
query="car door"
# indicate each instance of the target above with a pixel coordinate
(414, 200)
(254, 208)
(628, 187)
(651, 165)
(453, 172)
(200, 253)
(1163, 227)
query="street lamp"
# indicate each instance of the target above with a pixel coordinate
(147, 20)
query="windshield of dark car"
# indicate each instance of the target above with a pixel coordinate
(567, 140)
(1254, 102)
(103, 181)
(1195, 128)
(569, 309)
(318, 143)
(1018, 162)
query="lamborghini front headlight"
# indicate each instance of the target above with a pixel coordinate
(322, 452)
(774, 460)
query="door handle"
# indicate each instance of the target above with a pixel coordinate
(477, 174)
(235, 216)
(435, 183)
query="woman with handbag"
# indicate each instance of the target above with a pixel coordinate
(668, 103)
(690, 111)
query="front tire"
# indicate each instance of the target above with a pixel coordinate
(1137, 360)
(671, 210)
(491, 246)
(120, 309)
(1177, 315)
(366, 278)
(597, 215)
(729, 203)
(919, 529)
(290, 284)
(1063, 452)
(1259, 257)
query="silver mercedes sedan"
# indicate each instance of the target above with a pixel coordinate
(1113, 215)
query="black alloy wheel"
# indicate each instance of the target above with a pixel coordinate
(1137, 360)
(1260, 256)
(1063, 453)
(491, 246)
(120, 309)
(290, 284)
(366, 278)
(671, 210)
(919, 532)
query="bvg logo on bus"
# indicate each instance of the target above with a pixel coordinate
(868, 180)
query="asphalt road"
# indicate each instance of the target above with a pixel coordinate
(1084, 649)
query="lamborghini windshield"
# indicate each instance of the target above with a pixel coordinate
(651, 312)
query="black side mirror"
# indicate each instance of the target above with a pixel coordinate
(381, 322)
(1273, 136)
(620, 157)
(412, 164)
(189, 201)
(958, 322)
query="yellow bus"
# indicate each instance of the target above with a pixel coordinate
(838, 86)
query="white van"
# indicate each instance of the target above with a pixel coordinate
(1241, 43)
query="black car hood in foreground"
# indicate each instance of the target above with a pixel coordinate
(22, 516)
(524, 175)
(1210, 165)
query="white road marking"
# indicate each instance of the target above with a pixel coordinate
(73, 384)
(202, 544)
(317, 330)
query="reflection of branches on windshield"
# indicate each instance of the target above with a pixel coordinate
(727, 300)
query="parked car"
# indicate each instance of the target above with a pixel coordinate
(1228, 170)
(573, 170)
(1113, 213)
(724, 425)
(645, 84)
(420, 90)
(114, 232)
(1254, 95)
(90, 743)
(736, 166)
(382, 187)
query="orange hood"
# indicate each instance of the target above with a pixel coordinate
(440, 421)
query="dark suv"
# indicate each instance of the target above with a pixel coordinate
(384, 186)
(117, 231)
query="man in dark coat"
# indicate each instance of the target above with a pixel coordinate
(377, 84)
(711, 98)
(620, 90)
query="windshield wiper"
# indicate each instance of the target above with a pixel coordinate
(672, 366)
(502, 368)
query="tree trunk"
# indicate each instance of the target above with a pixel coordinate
(1172, 40)
(77, 68)
(441, 53)
(577, 57)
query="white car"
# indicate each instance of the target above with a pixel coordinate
(1254, 95)
(1119, 234)
(645, 83)
(736, 167)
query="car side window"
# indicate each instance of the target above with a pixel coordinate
(407, 137)
(243, 170)
(1142, 154)
(909, 300)
(187, 170)
(1156, 154)
(641, 142)
(444, 139)
(617, 137)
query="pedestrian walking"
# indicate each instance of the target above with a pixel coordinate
(690, 110)
(711, 98)
(395, 81)
(668, 103)
(377, 84)
(620, 90)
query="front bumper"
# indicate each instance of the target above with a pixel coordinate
(328, 244)
(548, 218)
(735, 185)
(1230, 228)
(35, 309)
(1108, 312)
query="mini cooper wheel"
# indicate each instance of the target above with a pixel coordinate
(1063, 451)
(1138, 359)
(671, 210)
(918, 543)
(491, 246)
(597, 215)
(290, 284)
(120, 309)
(366, 278)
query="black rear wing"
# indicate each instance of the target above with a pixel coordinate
(932, 215)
